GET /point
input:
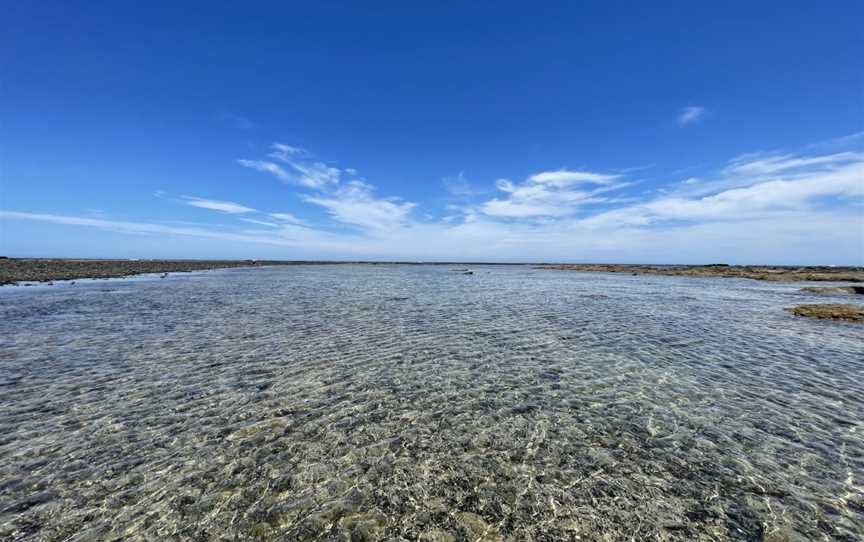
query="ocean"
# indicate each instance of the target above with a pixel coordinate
(402, 402)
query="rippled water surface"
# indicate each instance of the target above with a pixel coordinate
(416, 403)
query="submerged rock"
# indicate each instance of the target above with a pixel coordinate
(476, 528)
(437, 535)
(830, 311)
(834, 289)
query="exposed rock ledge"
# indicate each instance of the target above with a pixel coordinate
(830, 311)
(757, 272)
(834, 289)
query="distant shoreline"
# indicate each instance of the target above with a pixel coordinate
(15, 270)
(755, 272)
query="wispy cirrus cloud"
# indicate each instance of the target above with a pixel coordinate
(125, 226)
(759, 164)
(214, 205)
(762, 208)
(286, 217)
(775, 185)
(564, 177)
(297, 167)
(260, 222)
(355, 204)
(691, 114)
(548, 194)
(287, 153)
(268, 167)
(458, 185)
(756, 188)
(348, 199)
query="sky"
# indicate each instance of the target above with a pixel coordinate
(604, 131)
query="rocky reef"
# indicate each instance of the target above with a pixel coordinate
(830, 311)
(773, 273)
(834, 290)
(14, 270)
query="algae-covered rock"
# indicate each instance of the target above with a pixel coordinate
(834, 290)
(830, 311)
(437, 535)
(363, 527)
(477, 528)
(261, 531)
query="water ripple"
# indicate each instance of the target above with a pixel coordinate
(416, 403)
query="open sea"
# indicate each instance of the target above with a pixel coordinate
(360, 403)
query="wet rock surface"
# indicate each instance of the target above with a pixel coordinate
(828, 290)
(830, 311)
(405, 403)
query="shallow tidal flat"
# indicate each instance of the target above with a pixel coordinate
(418, 403)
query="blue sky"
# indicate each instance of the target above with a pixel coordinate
(671, 132)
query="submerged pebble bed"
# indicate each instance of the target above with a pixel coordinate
(416, 403)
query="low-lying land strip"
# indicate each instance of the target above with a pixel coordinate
(14, 270)
(778, 273)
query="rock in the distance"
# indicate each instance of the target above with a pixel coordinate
(830, 311)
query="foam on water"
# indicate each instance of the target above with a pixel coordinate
(397, 402)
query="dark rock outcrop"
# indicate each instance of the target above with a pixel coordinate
(834, 290)
(830, 311)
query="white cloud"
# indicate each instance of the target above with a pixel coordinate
(352, 202)
(316, 174)
(307, 172)
(285, 235)
(760, 199)
(287, 217)
(267, 167)
(534, 203)
(260, 222)
(767, 165)
(782, 238)
(549, 194)
(356, 205)
(691, 114)
(301, 170)
(564, 177)
(765, 208)
(286, 152)
(124, 226)
(223, 206)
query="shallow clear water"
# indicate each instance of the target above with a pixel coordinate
(397, 402)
